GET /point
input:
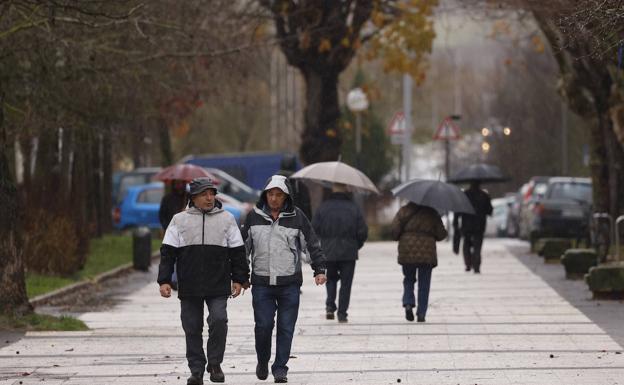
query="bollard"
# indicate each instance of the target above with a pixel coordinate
(141, 248)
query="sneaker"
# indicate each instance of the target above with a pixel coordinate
(281, 379)
(409, 314)
(420, 318)
(262, 371)
(195, 379)
(329, 315)
(216, 374)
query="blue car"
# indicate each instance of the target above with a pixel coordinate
(140, 205)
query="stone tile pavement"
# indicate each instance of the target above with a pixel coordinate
(505, 326)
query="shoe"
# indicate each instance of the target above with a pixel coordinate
(281, 379)
(409, 314)
(216, 374)
(343, 320)
(329, 315)
(477, 271)
(420, 318)
(262, 371)
(467, 268)
(195, 379)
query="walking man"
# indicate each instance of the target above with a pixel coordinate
(276, 234)
(205, 245)
(341, 227)
(473, 226)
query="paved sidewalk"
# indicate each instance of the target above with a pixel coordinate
(505, 326)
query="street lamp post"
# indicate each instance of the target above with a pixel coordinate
(357, 101)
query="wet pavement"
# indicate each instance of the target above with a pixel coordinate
(519, 322)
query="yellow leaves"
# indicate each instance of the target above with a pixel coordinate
(538, 44)
(331, 133)
(345, 42)
(181, 129)
(304, 40)
(324, 46)
(406, 39)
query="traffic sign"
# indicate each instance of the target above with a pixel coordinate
(396, 128)
(447, 130)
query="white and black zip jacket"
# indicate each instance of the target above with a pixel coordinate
(275, 246)
(207, 250)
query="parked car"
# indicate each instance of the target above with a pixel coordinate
(564, 211)
(140, 206)
(496, 225)
(513, 216)
(122, 180)
(233, 187)
(534, 191)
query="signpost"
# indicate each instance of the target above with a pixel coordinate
(447, 131)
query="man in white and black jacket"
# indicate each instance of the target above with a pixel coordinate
(276, 234)
(205, 245)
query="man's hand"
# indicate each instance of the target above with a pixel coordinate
(236, 289)
(246, 286)
(320, 279)
(165, 290)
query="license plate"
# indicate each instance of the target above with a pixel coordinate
(572, 213)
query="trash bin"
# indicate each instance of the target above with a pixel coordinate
(141, 248)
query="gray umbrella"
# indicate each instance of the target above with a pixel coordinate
(336, 172)
(434, 193)
(479, 172)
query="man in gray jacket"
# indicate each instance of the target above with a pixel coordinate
(206, 246)
(276, 234)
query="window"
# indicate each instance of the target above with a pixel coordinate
(569, 190)
(153, 195)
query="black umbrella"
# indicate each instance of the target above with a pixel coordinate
(434, 193)
(479, 172)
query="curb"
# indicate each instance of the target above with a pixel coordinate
(74, 287)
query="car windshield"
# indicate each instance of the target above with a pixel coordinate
(150, 196)
(570, 190)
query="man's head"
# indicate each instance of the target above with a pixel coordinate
(178, 186)
(276, 192)
(203, 193)
(475, 184)
(339, 188)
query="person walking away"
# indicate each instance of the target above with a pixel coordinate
(340, 225)
(206, 246)
(473, 226)
(417, 228)
(299, 191)
(172, 203)
(276, 233)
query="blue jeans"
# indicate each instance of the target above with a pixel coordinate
(424, 283)
(267, 300)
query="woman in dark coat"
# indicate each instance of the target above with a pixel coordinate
(417, 228)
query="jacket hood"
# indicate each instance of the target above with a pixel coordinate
(280, 182)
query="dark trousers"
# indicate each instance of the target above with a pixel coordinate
(424, 284)
(192, 315)
(472, 250)
(267, 300)
(339, 271)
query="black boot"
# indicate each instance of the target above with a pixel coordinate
(216, 374)
(195, 379)
(262, 371)
(409, 314)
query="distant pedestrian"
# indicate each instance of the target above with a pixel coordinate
(300, 193)
(206, 246)
(276, 234)
(172, 202)
(417, 228)
(473, 226)
(340, 225)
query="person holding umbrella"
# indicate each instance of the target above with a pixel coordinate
(340, 224)
(472, 226)
(418, 226)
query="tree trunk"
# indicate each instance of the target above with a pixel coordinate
(166, 153)
(107, 180)
(321, 138)
(13, 297)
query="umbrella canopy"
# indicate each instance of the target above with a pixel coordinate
(336, 172)
(183, 171)
(434, 193)
(479, 172)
